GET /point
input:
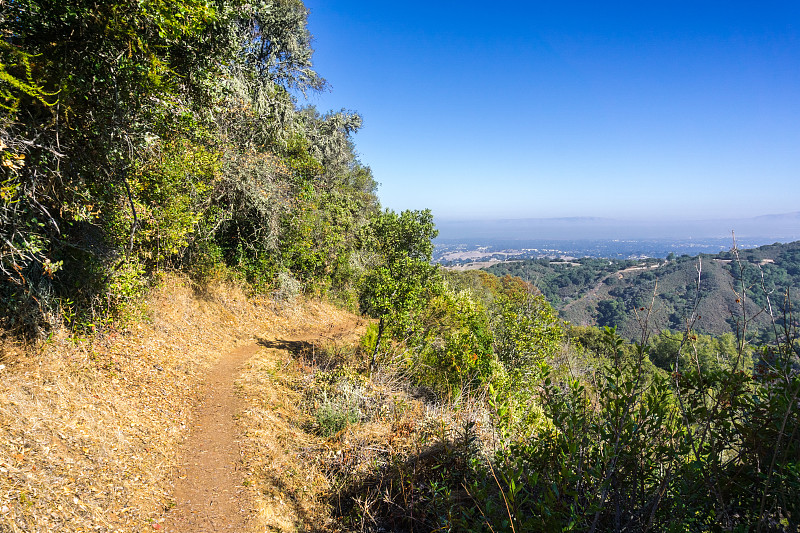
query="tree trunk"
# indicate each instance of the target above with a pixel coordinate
(377, 344)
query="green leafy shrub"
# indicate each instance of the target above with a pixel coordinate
(527, 331)
(706, 449)
(393, 287)
(169, 188)
(370, 338)
(452, 351)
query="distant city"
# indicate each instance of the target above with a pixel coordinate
(475, 244)
(478, 253)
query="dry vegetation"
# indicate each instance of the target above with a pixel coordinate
(280, 449)
(90, 427)
(305, 477)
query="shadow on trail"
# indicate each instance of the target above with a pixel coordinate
(296, 348)
(315, 353)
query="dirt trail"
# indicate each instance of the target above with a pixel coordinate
(108, 432)
(245, 465)
(209, 491)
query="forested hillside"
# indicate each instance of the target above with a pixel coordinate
(167, 134)
(166, 140)
(724, 290)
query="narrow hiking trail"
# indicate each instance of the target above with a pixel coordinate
(209, 491)
(198, 412)
(248, 463)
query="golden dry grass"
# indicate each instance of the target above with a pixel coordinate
(89, 429)
(282, 455)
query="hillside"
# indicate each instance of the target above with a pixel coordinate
(92, 428)
(217, 411)
(184, 244)
(606, 292)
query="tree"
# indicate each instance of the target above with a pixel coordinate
(132, 133)
(527, 328)
(393, 289)
(87, 89)
(276, 44)
(610, 313)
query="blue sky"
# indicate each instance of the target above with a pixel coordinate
(655, 110)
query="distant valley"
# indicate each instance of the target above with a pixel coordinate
(468, 244)
(611, 287)
(466, 254)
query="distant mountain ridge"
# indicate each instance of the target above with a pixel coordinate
(783, 226)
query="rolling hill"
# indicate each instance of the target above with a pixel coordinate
(726, 291)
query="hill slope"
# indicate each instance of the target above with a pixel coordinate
(607, 292)
(91, 428)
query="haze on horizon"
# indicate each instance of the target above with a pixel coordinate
(533, 110)
(765, 229)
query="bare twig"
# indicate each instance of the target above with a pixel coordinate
(505, 500)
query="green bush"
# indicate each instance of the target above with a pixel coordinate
(527, 331)
(334, 415)
(704, 450)
(451, 352)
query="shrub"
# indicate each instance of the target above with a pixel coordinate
(527, 330)
(451, 352)
(334, 415)
(288, 288)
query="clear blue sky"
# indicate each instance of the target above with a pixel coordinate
(550, 109)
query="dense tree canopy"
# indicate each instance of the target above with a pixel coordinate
(138, 136)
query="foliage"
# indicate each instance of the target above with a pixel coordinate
(602, 292)
(340, 399)
(288, 288)
(276, 44)
(633, 450)
(610, 313)
(480, 284)
(452, 350)
(392, 289)
(527, 331)
(674, 351)
(121, 73)
(13, 88)
(333, 416)
(164, 134)
(593, 436)
(167, 189)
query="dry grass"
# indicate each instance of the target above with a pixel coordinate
(89, 429)
(283, 456)
(302, 479)
(273, 442)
